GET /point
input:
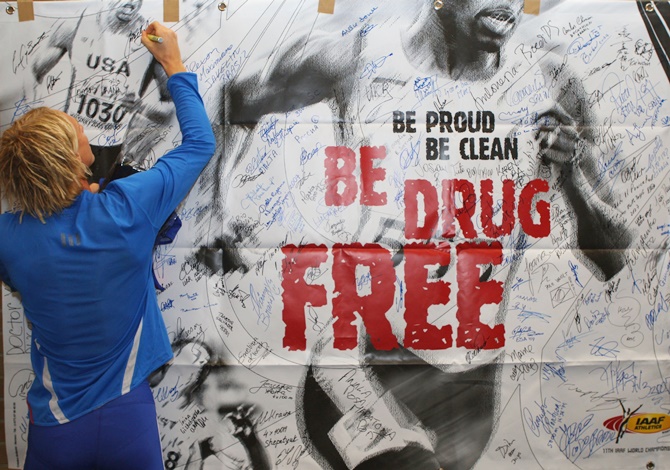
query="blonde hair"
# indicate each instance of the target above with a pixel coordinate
(40, 169)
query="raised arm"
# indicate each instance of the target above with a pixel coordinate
(567, 145)
(159, 190)
(308, 69)
(301, 73)
(166, 52)
(59, 43)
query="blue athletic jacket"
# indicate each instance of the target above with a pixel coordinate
(85, 276)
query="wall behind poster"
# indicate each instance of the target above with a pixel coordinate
(396, 255)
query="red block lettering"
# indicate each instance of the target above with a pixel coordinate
(340, 175)
(543, 228)
(473, 294)
(421, 294)
(369, 175)
(373, 307)
(464, 213)
(412, 190)
(297, 292)
(448, 209)
(490, 229)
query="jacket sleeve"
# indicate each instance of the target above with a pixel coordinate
(159, 190)
(4, 278)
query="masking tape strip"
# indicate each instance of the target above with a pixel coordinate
(531, 7)
(26, 11)
(327, 6)
(170, 11)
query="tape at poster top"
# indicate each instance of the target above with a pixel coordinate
(327, 6)
(531, 7)
(170, 11)
(26, 12)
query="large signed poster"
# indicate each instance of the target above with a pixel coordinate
(433, 235)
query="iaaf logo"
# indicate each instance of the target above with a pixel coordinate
(634, 422)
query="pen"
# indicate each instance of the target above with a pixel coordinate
(155, 38)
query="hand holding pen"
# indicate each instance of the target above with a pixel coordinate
(162, 42)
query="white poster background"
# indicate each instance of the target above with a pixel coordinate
(579, 351)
